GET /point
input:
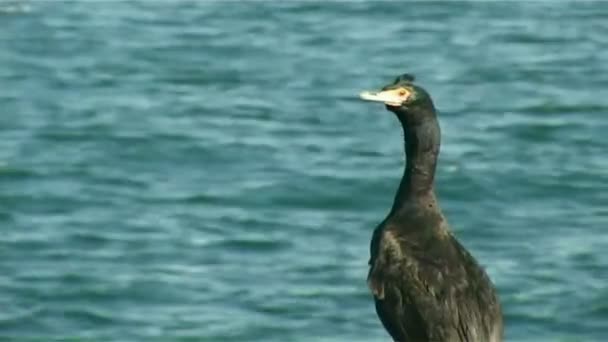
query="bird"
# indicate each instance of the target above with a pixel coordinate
(426, 286)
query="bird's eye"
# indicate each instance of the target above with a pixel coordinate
(402, 92)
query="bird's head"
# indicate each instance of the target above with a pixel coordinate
(409, 101)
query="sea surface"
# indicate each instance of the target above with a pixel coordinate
(204, 171)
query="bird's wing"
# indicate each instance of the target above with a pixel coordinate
(481, 317)
(417, 294)
(397, 304)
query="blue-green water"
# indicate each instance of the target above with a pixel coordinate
(202, 171)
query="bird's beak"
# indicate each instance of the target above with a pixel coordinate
(391, 97)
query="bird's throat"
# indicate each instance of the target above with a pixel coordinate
(422, 142)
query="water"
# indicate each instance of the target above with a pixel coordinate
(202, 171)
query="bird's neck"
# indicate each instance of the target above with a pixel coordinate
(422, 141)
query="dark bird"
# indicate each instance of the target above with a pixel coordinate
(426, 285)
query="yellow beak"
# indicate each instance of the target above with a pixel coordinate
(392, 97)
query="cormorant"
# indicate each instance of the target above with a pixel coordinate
(426, 285)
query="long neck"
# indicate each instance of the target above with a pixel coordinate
(422, 141)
